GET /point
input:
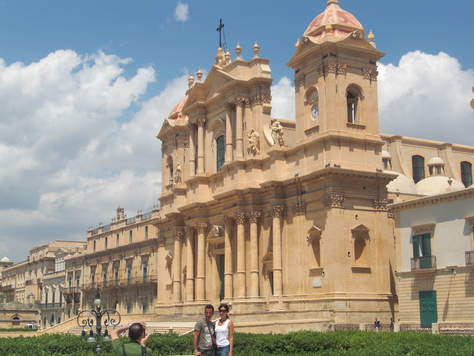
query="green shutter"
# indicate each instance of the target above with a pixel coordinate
(416, 246)
(426, 245)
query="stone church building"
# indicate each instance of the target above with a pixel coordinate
(271, 215)
(296, 224)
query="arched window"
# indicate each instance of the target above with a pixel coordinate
(418, 168)
(353, 98)
(466, 173)
(170, 169)
(220, 143)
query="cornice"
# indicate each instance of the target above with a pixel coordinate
(433, 199)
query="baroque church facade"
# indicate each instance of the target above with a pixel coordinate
(284, 217)
(294, 224)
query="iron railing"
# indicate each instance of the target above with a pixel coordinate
(469, 258)
(50, 305)
(132, 281)
(419, 263)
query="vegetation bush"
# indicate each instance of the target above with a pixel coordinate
(13, 330)
(301, 343)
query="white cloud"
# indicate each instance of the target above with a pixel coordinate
(427, 96)
(181, 12)
(283, 100)
(66, 160)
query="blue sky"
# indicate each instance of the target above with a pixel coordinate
(150, 33)
(85, 86)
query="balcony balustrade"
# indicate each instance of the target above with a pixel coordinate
(469, 258)
(50, 305)
(111, 283)
(420, 263)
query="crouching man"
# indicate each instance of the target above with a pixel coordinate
(138, 339)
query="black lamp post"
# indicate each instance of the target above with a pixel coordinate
(87, 318)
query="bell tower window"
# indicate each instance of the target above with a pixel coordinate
(352, 100)
(170, 169)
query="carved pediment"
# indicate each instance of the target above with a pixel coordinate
(314, 234)
(361, 231)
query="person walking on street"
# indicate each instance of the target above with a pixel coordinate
(377, 324)
(224, 332)
(204, 341)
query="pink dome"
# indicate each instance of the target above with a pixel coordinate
(176, 112)
(342, 22)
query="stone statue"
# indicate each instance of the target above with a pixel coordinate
(277, 133)
(254, 142)
(216, 230)
(178, 175)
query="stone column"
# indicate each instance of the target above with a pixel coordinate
(178, 238)
(228, 134)
(240, 104)
(160, 268)
(228, 275)
(201, 261)
(277, 266)
(192, 150)
(190, 263)
(240, 220)
(254, 217)
(247, 120)
(200, 159)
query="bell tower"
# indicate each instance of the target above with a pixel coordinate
(336, 84)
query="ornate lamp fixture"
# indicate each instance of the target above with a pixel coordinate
(97, 317)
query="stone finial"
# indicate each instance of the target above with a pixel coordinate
(256, 49)
(371, 38)
(199, 75)
(298, 42)
(227, 56)
(238, 51)
(219, 57)
(450, 186)
(190, 80)
(332, 2)
(328, 28)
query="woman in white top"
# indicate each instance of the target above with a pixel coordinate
(224, 332)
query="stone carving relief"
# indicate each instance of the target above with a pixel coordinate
(277, 133)
(334, 200)
(254, 142)
(178, 174)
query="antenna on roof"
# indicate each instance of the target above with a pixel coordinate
(220, 29)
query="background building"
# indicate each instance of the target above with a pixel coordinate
(435, 274)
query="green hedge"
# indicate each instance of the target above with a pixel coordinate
(301, 343)
(13, 330)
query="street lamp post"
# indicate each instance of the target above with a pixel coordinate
(87, 318)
